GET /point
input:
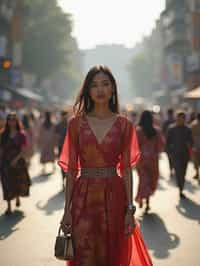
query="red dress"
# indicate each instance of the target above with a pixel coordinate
(98, 204)
(148, 168)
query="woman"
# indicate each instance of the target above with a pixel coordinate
(30, 138)
(14, 174)
(151, 143)
(47, 142)
(99, 144)
(61, 129)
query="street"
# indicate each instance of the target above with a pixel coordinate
(171, 229)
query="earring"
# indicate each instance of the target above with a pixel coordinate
(113, 99)
(88, 104)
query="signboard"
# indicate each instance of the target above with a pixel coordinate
(174, 66)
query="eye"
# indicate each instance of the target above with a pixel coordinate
(93, 85)
(106, 83)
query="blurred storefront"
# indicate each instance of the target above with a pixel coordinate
(181, 27)
(11, 31)
(193, 97)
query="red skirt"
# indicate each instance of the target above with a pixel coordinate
(98, 226)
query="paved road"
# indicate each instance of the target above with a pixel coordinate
(171, 230)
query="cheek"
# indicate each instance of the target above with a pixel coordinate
(109, 92)
(92, 92)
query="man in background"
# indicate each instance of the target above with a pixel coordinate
(179, 144)
(195, 127)
(61, 129)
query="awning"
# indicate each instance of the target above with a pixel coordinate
(26, 94)
(178, 92)
(29, 94)
(193, 94)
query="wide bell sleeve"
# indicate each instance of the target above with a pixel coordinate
(130, 149)
(69, 157)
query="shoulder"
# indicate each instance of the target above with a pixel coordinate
(22, 134)
(158, 130)
(74, 121)
(124, 120)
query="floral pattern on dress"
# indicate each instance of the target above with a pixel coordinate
(98, 204)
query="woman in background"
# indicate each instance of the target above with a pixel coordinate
(14, 173)
(151, 143)
(47, 142)
(30, 138)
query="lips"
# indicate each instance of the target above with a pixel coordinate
(100, 96)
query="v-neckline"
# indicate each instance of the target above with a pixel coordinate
(106, 133)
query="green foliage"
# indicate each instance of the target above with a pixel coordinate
(47, 38)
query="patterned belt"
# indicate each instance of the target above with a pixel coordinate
(98, 172)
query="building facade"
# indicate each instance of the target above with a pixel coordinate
(181, 31)
(11, 14)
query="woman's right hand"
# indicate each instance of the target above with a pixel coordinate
(66, 223)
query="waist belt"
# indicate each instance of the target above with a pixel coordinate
(98, 172)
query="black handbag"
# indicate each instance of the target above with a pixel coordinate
(64, 246)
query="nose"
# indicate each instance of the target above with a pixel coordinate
(99, 89)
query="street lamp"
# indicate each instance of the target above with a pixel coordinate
(5, 63)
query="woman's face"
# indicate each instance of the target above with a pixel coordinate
(101, 89)
(12, 121)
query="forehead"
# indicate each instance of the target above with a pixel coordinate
(101, 77)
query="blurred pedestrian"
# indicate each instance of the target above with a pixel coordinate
(30, 137)
(151, 143)
(192, 117)
(14, 173)
(3, 116)
(61, 129)
(98, 209)
(179, 146)
(195, 127)
(170, 120)
(47, 142)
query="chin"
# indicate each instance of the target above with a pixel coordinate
(101, 101)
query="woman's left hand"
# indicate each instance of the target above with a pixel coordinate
(129, 223)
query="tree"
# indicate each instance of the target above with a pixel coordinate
(47, 34)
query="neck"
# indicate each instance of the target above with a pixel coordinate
(101, 110)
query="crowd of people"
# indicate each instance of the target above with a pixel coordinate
(175, 133)
(22, 135)
(98, 143)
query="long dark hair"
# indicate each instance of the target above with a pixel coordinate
(26, 121)
(84, 103)
(47, 120)
(6, 132)
(146, 123)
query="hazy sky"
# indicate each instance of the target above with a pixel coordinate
(112, 21)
